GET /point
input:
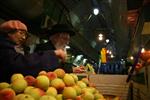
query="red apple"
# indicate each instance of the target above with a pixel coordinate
(7, 94)
(51, 75)
(30, 80)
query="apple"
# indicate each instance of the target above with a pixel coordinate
(30, 80)
(47, 97)
(59, 97)
(69, 93)
(60, 72)
(98, 96)
(89, 89)
(78, 89)
(51, 91)
(16, 76)
(42, 82)
(58, 84)
(93, 90)
(7, 94)
(81, 84)
(43, 72)
(87, 96)
(75, 77)
(36, 93)
(85, 80)
(19, 85)
(69, 80)
(51, 75)
(78, 97)
(28, 89)
(24, 97)
(4, 85)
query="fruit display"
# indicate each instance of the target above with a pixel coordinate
(56, 85)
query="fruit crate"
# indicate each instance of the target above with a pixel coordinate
(111, 85)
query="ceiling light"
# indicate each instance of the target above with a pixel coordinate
(67, 47)
(110, 52)
(131, 57)
(107, 40)
(107, 51)
(143, 50)
(112, 56)
(96, 11)
(100, 35)
(45, 41)
(100, 38)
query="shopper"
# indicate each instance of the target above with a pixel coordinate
(14, 33)
(58, 38)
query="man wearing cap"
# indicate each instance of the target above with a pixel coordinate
(59, 37)
(13, 33)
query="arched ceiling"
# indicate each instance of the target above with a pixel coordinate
(111, 21)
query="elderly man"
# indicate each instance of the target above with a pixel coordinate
(13, 33)
(59, 37)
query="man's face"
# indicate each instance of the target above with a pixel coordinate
(19, 37)
(61, 39)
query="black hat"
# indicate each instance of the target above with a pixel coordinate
(60, 28)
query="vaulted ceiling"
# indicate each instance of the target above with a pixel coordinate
(111, 21)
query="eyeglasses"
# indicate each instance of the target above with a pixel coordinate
(23, 32)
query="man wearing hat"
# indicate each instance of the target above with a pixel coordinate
(12, 33)
(59, 37)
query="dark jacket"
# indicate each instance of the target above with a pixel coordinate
(12, 62)
(45, 46)
(49, 46)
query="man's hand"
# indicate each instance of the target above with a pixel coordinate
(79, 70)
(61, 54)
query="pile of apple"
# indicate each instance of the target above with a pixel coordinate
(56, 85)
